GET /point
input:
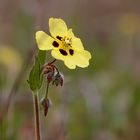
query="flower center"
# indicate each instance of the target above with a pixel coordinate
(66, 41)
(66, 47)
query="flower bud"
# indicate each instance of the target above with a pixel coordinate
(48, 68)
(58, 79)
(46, 103)
(50, 76)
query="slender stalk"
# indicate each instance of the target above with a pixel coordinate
(37, 118)
(47, 89)
(52, 61)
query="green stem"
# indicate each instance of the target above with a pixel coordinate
(37, 119)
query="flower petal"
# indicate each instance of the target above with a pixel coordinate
(57, 27)
(77, 44)
(44, 41)
(70, 33)
(69, 63)
(67, 59)
(57, 55)
(81, 58)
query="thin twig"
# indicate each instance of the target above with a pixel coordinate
(52, 62)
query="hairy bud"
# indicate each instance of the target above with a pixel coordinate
(46, 103)
(58, 79)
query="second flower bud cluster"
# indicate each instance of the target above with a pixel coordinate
(52, 74)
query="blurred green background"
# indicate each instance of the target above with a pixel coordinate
(100, 102)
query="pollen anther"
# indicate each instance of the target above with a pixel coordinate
(67, 42)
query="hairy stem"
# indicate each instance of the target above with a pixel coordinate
(37, 118)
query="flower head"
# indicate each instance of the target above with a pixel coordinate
(64, 45)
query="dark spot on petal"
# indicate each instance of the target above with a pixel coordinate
(63, 52)
(59, 37)
(71, 52)
(55, 44)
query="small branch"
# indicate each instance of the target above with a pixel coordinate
(37, 119)
(52, 61)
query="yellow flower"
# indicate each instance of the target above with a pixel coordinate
(64, 45)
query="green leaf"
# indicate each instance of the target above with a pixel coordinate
(35, 76)
(42, 57)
